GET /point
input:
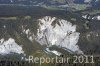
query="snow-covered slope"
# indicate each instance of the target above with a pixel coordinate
(9, 46)
(59, 32)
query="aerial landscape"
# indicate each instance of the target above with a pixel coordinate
(49, 32)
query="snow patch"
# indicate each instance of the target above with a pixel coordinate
(53, 51)
(11, 1)
(84, 16)
(1, 41)
(27, 31)
(98, 17)
(4, 26)
(56, 52)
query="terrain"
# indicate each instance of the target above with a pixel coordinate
(48, 31)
